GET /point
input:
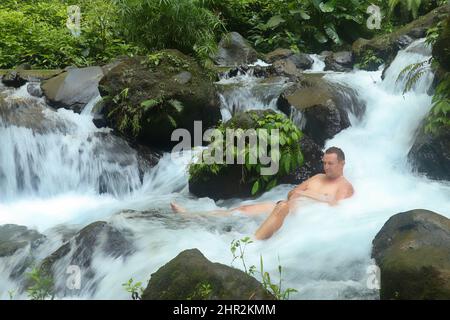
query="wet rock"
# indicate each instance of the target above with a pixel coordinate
(14, 237)
(324, 106)
(34, 89)
(413, 253)
(80, 249)
(341, 61)
(72, 89)
(145, 103)
(13, 79)
(183, 277)
(312, 154)
(234, 50)
(430, 154)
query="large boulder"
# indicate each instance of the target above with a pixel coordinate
(234, 50)
(324, 106)
(14, 237)
(386, 46)
(430, 154)
(72, 89)
(230, 180)
(147, 98)
(190, 276)
(413, 253)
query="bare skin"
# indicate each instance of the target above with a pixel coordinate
(328, 187)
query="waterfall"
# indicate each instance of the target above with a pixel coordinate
(49, 180)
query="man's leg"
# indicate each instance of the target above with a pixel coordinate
(250, 209)
(274, 221)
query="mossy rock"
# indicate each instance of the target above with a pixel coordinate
(413, 253)
(147, 98)
(441, 48)
(190, 276)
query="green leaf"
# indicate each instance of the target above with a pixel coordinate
(255, 187)
(148, 104)
(332, 34)
(274, 22)
(177, 105)
(327, 7)
(172, 121)
(271, 184)
(320, 37)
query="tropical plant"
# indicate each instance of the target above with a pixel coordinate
(177, 24)
(439, 115)
(42, 286)
(135, 288)
(288, 155)
(275, 289)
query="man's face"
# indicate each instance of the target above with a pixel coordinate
(332, 167)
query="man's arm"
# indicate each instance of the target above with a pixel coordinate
(342, 193)
(301, 187)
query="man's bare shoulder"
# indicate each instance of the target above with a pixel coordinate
(348, 186)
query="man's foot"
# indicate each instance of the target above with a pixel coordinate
(176, 208)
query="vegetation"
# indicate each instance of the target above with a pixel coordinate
(41, 286)
(289, 156)
(275, 289)
(135, 289)
(35, 31)
(439, 115)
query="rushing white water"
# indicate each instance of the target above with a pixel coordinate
(324, 251)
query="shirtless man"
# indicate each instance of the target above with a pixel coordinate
(329, 187)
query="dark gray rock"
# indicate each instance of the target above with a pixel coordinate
(13, 79)
(430, 154)
(234, 50)
(14, 237)
(183, 277)
(341, 61)
(412, 250)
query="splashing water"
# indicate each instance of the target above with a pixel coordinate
(324, 251)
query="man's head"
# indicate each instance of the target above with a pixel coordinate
(333, 162)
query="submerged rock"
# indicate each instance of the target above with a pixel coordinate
(191, 276)
(234, 50)
(413, 253)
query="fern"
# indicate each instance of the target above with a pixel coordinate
(413, 73)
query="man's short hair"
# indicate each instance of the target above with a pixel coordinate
(339, 153)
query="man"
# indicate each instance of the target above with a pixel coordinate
(329, 187)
